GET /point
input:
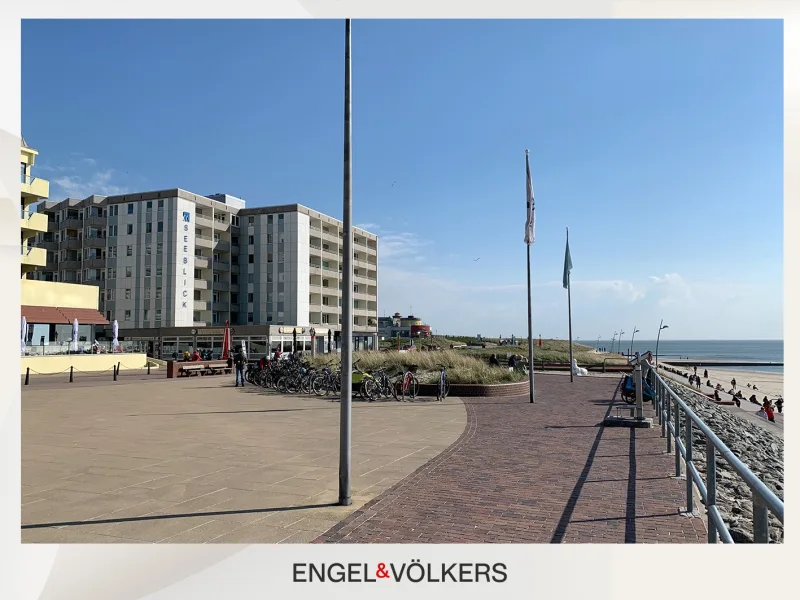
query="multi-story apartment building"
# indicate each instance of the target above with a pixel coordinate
(174, 259)
(34, 189)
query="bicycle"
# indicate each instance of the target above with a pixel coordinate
(406, 384)
(443, 388)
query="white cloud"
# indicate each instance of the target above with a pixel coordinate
(675, 290)
(372, 227)
(79, 186)
(397, 246)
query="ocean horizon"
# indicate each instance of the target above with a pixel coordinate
(733, 350)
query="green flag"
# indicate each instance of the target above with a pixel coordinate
(567, 264)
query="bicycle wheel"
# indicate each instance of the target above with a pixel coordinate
(369, 390)
(281, 386)
(444, 388)
(413, 387)
(397, 388)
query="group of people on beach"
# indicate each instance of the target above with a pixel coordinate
(766, 406)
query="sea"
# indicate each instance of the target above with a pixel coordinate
(733, 350)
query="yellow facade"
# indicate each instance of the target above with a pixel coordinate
(48, 293)
(83, 363)
(33, 189)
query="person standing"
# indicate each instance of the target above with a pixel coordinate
(779, 405)
(238, 362)
(768, 410)
(705, 374)
(733, 383)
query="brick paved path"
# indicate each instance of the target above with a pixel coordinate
(543, 473)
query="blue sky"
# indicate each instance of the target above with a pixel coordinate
(659, 143)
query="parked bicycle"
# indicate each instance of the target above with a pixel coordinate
(443, 387)
(406, 385)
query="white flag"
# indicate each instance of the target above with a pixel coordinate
(530, 222)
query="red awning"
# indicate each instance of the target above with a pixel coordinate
(85, 316)
(61, 315)
(43, 314)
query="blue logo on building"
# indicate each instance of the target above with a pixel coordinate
(186, 217)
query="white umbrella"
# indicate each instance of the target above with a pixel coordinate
(24, 333)
(115, 342)
(75, 335)
(244, 349)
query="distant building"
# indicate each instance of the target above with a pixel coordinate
(404, 327)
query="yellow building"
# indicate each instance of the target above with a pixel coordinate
(50, 308)
(34, 189)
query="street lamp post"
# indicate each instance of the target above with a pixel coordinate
(598, 343)
(619, 346)
(613, 339)
(635, 331)
(660, 327)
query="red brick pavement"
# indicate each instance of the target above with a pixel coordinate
(543, 473)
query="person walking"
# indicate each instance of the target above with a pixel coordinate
(238, 362)
(697, 381)
(768, 410)
(705, 374)
(733, 383)
(779, 405)
(493, 361)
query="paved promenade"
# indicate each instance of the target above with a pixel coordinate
(197, 460)
(542, 473)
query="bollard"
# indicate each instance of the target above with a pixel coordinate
(689, 481)
(27, 375)
(711, 488)
(70, 374)
(115, 372)
(148, 368)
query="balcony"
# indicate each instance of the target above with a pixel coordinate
(94, 241)
(220, 306)
(200, 262)
(222, 225)
(203, 221)
(222, 265)
(234, 287)
(220, 286)
(33, 187)
(200, 305)
(200, 284)
(71, 264)
(203, 241)
(95, 221)
(33, 223)
(33, 257)
(94, 263)
(71, 223)
(314, 268)
(72, 243)
(332, 236)
(222, 246)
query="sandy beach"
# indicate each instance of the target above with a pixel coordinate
(769, 385)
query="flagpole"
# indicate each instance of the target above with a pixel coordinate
(569, 312)
(528, 245)
(347, 288)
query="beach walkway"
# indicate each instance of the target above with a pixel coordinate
(543, 473)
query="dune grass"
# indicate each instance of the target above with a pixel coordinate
(461, 367)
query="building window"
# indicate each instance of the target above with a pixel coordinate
(108, 315)
(148, 248)
(251, 239)
(130, 229)
(130, 209)
(249, 297)
(112, 252)
(280, 217)
(249, 317)
(159, 270)
(109, 294)
(112, 231)
(160, 227)
(269, 257)
(112, 273)
(251, 259)
(159, 248)
(129, 251)
(127, 293)
(251, 220)
(149, 209)
(146, 314)
(325, 318)
(127, 315)
(147, 293)
(249, 278)
(197, 274)
(269, 219)
(148, 228)
(158, 314)
(147, 270)
(128, 271)
(269, 277)
(280, 257)
(161, 205)
(158, 293)
(324, 301)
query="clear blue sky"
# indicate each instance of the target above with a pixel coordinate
(659, 143)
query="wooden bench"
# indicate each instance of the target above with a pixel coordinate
(189, 369)
(216, 368)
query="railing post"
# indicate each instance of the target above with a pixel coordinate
(27, 375)
(115, 371)
(689, 482)
(70, 374)
(148, 367)
(711, 488)
(669, 417)
(760, 520)
(677, 437)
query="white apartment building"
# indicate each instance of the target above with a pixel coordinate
(174, 259)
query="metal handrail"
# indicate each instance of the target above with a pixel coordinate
(764, 499)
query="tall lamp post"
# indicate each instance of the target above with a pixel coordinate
(635, 331)
(619, 345)
(660, 327)
(598, 343)
(613, 339)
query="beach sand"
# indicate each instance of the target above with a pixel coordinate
(769, 385)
